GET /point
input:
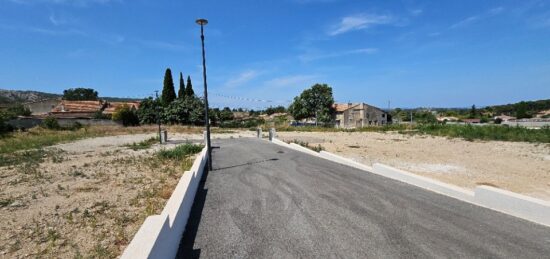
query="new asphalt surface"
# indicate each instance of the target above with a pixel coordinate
(262, 200)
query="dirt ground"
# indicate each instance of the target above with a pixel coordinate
(86, 198)
(515, 166)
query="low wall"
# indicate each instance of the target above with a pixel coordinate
(160, 235)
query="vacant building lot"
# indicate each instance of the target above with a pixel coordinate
(516, 166)
(86, 198)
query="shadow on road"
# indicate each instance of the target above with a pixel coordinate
(186, 245)
(249, 163)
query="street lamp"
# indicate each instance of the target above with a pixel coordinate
(202, 23)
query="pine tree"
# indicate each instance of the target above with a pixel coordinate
(189, 88)
(168, 92)
(182, 89)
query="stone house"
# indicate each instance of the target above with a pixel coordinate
(356, 115)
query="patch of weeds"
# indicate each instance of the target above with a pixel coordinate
(179, 152)
(143, 144)
(5, 202)
(15, 246)
(87, 189)
(77, 173)
(101, 252)
(317, 148)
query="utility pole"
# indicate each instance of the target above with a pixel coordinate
(158, 116)
(203, 22)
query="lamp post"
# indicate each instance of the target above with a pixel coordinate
(202, 23)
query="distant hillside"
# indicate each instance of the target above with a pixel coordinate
(529, 107)
(10, 97)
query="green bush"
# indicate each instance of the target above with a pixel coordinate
(180, 151)
(126, 115)
(51, 123)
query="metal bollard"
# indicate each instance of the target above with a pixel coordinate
(271, 134)
(259, 132)
(163, 136)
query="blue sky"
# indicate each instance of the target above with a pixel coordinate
(262, 53)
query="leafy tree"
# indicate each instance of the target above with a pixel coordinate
(272, 110)
(189, 110)
(168, 92)
(51, 123)
(189, 88)
(315, 102)
(126, 115)
(226, 114)
(473, 112)
(521, 111)
(181, 90)
(148, 110)
(80, 94)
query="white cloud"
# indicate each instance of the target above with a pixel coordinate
(316, 56)
(242, 78)
(416, 12)
(293, 80)
(496, 10)
(465, 22)
(56, 20)
(359, 22)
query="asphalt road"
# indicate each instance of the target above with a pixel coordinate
(265, 201)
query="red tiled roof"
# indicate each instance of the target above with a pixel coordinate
(112, 106)
(78, 107)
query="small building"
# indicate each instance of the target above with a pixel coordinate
(111, 107)
(356, 115)
(504, 118)
(471, 121)
(447, 119)
(43, 106)
(77, 109)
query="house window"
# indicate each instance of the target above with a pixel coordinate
(383, 115)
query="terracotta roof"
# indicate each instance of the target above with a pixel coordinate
(77, 106)
(340, 107)
(112, 106)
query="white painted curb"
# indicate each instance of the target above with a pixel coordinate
(160, 235)
(423, 182)
(514, 204)
(345, 161)
(507, 202)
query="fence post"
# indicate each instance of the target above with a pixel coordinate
(259, 132)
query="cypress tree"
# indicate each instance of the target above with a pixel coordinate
(189, 88)
(168, 92)
(181, 90)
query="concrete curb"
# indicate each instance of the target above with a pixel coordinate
(503, 201)
(160, 235)
(507, 202)
(345, 161)
(518, 205)
(423, 182)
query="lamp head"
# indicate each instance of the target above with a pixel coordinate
(202, 21)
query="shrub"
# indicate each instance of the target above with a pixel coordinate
(126, 115)
(180, 151)
(51, 123)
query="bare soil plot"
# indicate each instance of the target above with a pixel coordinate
(515, 166)
(85, 198)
